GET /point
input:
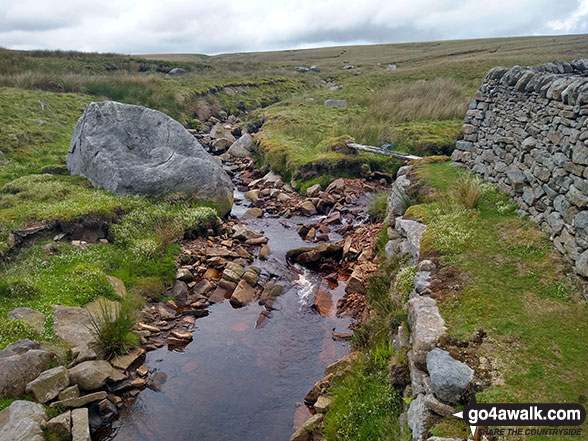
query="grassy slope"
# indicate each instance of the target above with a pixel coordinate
(518, 290)
(297, 129)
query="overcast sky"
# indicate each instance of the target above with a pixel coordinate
(213, 26)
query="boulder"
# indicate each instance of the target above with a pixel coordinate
(233, 272)
(241, 232)
(17, 370)
(177, 71)
(308, 208)
(253, 213)
(322, 404)
(90, 375)
(357, 281)
(304, 432)
(72, 325)
(31, 317)
(242, 147)
(419, 418)
(131, 149)
(337, 186)
(312, 255)
(60, 427)
(449, 377)
(22, 421)
(49, 384)
(242, 295)
(412, 231)
(313, 190)
(80, 425)
(219, 131)
(426, 326)
(335, 103)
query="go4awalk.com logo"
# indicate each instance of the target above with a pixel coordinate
(561, 419)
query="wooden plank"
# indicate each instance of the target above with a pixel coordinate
(379, 151)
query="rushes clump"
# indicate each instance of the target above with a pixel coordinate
(468, 191)
(113, 326)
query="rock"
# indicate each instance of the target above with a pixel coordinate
(315, 68)
(35, 319)
(80, 425)
(401, 340)
(419, 418)
(48, 385)
(71, 324)
(233, 272)
(90, 375)
(123, 362)
(118, 286)
(356, 282)
(80, 401)
(449, 377)
(184, 274)
(253, 213)
(312, 255)
(426, 265)
(313, 190)
(69, 392)
(335, 103)
(131, 149)
(221, 144)
(412, 231)
(22, 421)
(342, 364)
(242, 295)
(436, 406)
(337, 186)
(19, 347)
(251, 276)
(157, 381)
(176, 71)
(582, 264)
(323, 303)
(60, 427)
(252, 195)
(426, 326)
(322, 404)
(304, 432)
(264, 251)
(242, 147)
(101, 308)
(308, 208)
(422, 281)
(17, 370)
(319, 387)
(241, 232)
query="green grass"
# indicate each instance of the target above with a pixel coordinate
(377, 206)
(365, 406)
(517, 289)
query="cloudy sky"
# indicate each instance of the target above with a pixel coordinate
(212, 26)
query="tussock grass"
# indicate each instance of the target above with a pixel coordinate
(468, 191)
(113, 327)
(436, 99)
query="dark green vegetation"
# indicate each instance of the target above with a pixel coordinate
(366, 404)
(513, 285)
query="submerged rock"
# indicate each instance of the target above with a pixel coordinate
(131, 149)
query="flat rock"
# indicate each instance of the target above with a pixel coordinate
(49, 384)
(81, 400)
(33, 318)
(323, 303)
(80, 425)
(123, 362)
(242, 295)
(72, 325)
(16, 371)
(130, 149)
(449, 377)
(90, 375)
(22, 421)
(335, 103)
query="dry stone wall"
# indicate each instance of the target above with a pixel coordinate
(527, 131)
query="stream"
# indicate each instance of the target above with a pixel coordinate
(237, 381)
